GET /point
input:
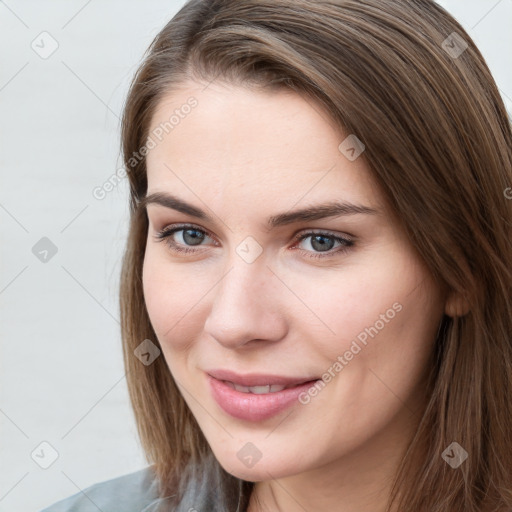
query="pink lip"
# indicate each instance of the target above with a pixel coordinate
(257, 379)
(252, 407)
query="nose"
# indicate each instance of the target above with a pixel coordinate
(245, 305)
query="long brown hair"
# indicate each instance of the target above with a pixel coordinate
(438, 142)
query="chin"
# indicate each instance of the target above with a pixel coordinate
(251, 471)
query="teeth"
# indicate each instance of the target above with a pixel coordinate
(276, 387)
(257, 390)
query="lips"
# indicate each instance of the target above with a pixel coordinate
(256, 397)
(257, 390)
(249, 380)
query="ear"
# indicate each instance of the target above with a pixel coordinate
(456, 305)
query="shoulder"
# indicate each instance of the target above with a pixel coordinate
(133, 492)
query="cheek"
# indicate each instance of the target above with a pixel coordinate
(384, 314)
(385, 322)
(172, 294)
(154, 283)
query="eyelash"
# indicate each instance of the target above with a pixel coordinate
(165, 234)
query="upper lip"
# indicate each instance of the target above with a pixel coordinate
(257, 379)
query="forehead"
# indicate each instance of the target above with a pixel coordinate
(225, 138)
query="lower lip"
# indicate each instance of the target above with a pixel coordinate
(252, 407)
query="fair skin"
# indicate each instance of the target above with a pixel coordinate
(243, 155)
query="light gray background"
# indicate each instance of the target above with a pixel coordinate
(62, 377)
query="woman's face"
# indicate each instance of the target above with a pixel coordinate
(350, 304)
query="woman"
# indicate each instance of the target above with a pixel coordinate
(315, 292)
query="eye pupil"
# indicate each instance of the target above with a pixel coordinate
(322, 246)
(194, 239)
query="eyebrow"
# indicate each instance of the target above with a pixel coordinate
(321, 211)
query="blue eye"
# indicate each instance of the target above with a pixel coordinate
(190, 235)
(322, 243)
